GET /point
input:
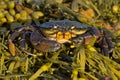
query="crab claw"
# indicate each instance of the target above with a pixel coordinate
(47, 45)
(42, 44)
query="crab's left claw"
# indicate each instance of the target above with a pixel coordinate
(42, 44)
(47, 46)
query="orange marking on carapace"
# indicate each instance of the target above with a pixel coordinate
(59, 35)
(67, 35)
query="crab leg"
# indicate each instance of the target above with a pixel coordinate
(18, 31)
(14, 35)
(87, 38)
(22, 41)
(106, 43)
(104, 47)
(109, 41)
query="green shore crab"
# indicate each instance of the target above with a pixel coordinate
(50, 36)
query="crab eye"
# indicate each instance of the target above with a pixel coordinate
(72, 27)
(55, 27)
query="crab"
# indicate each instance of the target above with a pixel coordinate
(50, 36)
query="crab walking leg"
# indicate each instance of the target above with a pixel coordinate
(87, 38)
(108, 40)
(104, 40)
(14, 35)
(104, 47)
(42, 44)
(11, 44)
(22, 41)
(18, 31)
